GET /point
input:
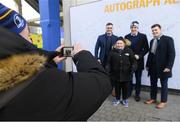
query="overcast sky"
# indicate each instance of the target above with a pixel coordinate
(28, 11)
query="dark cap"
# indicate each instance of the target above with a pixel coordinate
(120, 38)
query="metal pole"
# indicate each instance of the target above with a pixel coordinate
(50, 23)
(19, 4)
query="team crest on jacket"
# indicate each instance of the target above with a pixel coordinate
(127, 54)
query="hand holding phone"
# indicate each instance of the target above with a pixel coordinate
(67, 51)
(59, 58)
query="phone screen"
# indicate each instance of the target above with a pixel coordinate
(67, 51)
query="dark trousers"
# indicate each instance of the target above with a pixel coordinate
(154, 88)
(112, 81)
(121, 87)
(138, 75)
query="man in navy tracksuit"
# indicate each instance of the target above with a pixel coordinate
(139, 45)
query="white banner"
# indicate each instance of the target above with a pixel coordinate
(88, 22)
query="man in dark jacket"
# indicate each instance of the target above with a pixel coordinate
(139, 45)
(104, 44)
(31, 91)
(103, 47)
(159, 64)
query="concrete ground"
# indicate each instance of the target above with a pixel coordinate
(138, 111)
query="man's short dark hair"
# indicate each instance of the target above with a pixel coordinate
(135, 22)
(109, 23)
(156, 25)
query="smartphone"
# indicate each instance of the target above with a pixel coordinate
(67, 51)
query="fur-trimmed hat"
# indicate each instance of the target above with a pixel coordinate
(126, 41)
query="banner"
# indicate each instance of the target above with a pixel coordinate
(36, 40)
(88, 22)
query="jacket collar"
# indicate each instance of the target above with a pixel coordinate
(159, 37)
(135, 34)
(116, 50)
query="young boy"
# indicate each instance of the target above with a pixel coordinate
(121, 64)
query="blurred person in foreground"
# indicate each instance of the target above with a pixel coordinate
(31, 86)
